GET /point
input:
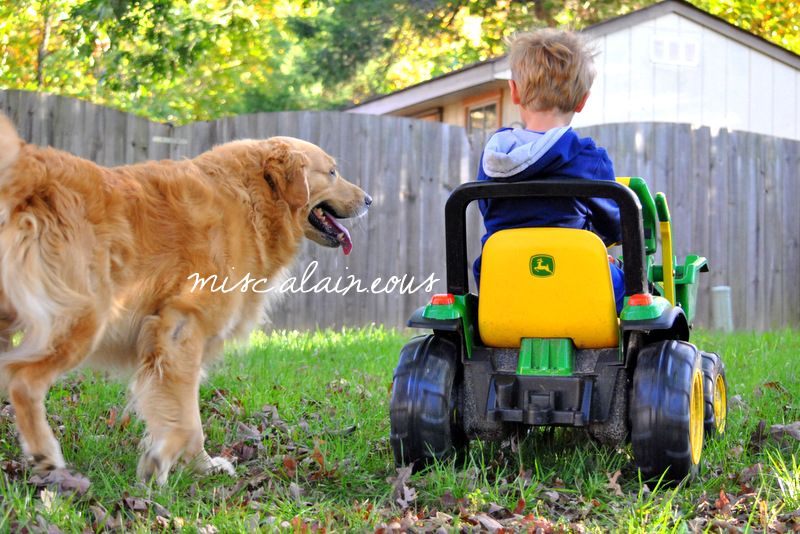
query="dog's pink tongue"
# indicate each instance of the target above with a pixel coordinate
(342, 234)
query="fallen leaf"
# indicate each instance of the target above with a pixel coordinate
(724, 525)
(7, 411)
(243, 451)
(99, 514)
(103, 521)
(781, 433)
(62, 481)
(487, 522)
(317, 456)
(737, 402)
(613, 485)
(125, 420)
(296, 492)
(12, 468)
(246, 431)
(499, 512)
(403, 494)
(135, 504)
(520, 506)
(448, 500)
(537, 524)
(290, 464)
(774, 385)
(46, 527)
(271, 416)
(112, 418)
(723, 504)
(697, 525)
(758, 436)
(346, 431)
(48, 499)
(552, 496)
(763, 510)
(749, 473)
(408, 496)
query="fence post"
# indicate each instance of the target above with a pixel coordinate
(721, 308)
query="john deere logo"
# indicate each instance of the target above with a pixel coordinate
(543, 265)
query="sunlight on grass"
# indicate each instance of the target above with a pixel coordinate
(788, 478)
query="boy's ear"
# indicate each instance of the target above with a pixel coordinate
(514, 92)
(582, 103)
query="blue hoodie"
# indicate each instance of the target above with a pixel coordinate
(515, 155)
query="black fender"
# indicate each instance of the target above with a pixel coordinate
(417, 320)
(672, 324)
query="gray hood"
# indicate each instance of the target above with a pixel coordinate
(509, 152)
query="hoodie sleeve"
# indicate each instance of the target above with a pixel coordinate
(604, 213)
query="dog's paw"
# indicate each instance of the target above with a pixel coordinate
(43, 464)
(218, 464)
(152, 466)
(206, 465)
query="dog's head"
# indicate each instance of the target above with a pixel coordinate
(330, 197)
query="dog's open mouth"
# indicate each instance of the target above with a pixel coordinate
(323, 218)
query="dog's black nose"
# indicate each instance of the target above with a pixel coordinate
(367, 200)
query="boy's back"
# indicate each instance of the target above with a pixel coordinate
(551, 75)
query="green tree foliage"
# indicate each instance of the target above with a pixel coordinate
(184, 60)
(775, 20)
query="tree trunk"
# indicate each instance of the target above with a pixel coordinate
(43, 52)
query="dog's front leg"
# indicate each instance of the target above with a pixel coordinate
(165, 393)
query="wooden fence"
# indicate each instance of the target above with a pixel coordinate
(734, 197)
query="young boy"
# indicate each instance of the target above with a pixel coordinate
(551, 74)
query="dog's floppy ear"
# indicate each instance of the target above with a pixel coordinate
(285, 172)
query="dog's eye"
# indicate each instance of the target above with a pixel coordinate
(333, 173)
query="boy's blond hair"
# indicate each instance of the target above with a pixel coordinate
(552, 69)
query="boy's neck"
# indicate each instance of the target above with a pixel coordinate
(541, 121)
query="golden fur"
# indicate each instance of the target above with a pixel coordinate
(95, 267)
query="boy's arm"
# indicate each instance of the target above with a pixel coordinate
(604, 216)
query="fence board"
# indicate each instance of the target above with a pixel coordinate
(774, 236)
(733, 196)
(702, 198)
(790, 194)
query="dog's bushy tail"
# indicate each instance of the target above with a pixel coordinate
(39, 290)
(9, 146)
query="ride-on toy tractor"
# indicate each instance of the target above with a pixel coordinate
(542, 345)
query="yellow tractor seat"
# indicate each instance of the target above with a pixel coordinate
(546, 283)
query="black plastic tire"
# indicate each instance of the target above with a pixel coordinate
(425, 415)
(666, 410)
(715, 394)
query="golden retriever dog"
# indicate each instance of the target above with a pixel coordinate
(96, 269)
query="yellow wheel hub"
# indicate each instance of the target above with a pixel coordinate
(696, 406)
(720, 404)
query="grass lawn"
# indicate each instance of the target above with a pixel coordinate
(306, 414)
